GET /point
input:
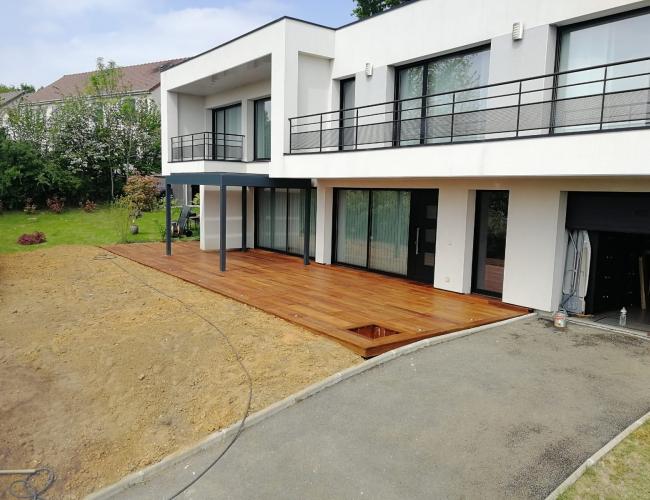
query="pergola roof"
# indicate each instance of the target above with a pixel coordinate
(235, 179)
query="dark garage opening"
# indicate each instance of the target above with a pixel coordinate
(618, 225)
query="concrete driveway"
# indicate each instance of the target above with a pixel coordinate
(505, 413)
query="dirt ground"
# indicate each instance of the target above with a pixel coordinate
(102, 376)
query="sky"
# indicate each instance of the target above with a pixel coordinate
(44, 39)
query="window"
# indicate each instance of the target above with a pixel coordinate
(614, 39)
(280, 220)
(372, 229)
(428, 120)
(263, 129)
(347, 132)
(226, 121)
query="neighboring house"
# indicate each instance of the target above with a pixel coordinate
(8, 99)
(460, 143)
(140, 80)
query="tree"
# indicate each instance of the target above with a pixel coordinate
(25, 87)
(367, 8)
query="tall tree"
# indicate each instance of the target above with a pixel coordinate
(367, 8)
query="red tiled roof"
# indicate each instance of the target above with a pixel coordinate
(137, 78)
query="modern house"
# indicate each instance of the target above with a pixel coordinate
(465, 144)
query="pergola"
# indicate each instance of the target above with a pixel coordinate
(224, 180)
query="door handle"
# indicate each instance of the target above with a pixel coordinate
(417, 241)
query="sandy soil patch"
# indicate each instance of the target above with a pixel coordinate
(103, 376)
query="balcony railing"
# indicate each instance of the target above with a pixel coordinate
(597, 98)
(207, 146)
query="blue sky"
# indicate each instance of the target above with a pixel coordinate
(45, 39)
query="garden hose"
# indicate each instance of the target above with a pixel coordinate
(29, 487)
(249, 379)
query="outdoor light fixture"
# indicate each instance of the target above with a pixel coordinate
(518, 31)
(368, 69)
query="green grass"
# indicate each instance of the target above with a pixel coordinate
(623, 473)
(75, 227)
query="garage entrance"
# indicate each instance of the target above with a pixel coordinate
(618, 229)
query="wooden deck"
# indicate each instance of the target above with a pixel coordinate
(328, 300)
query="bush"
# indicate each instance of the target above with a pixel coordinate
(55, 204)
(143, 192)
(89, 206)
(30, 206)
(121, 216)
(32, 239)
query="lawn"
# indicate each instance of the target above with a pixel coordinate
(622, 473)
(74, 226)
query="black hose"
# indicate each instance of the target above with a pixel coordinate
(249, 379)
(26, 487)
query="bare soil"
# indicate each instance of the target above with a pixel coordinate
(102, 376)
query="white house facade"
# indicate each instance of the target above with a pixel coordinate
(461, 143)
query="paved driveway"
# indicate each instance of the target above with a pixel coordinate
(508, 412)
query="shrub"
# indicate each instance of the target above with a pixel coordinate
(89, 206)
(32, 239)
(55, 204)
(30, 206)
(121, 216)
(143, 192)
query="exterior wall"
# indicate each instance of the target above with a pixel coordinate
(609, 153)
(210, 199)
(535, 241)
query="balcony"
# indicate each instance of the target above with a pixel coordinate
(600, 98)
(207, 146)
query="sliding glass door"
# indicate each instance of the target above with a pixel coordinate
(428, 120)
(375, 230)
(226, 121)
(280, 220)
(580, 94)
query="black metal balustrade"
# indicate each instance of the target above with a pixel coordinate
(207, 146)
(597, 98)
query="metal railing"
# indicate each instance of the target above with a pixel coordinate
(597, 98)
(207, 146)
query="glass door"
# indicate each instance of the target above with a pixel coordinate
(226, 121)
(422, 234)
(490, 231)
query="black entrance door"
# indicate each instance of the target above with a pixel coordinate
(490, 242)
(422, 234)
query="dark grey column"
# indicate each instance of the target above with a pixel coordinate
(244, 216)
(168, 219)
(223, 201)
(307, 222)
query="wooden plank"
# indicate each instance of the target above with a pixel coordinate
(325, 299)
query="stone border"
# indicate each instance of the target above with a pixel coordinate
(222, 435)
(593, 459)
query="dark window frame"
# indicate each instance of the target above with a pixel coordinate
(335, 232)
(342, 83)
(312, 227)
(215, 111)
(577, 26)
(424, 63)
(256, 157)
(474, 288)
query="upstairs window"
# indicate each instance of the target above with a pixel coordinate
(226, 127)
(263, 129)
(428, 120)
(604, 41)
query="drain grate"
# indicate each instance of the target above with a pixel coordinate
(372, 331)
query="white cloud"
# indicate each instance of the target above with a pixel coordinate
(143, 34)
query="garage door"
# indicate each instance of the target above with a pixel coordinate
(612, 212)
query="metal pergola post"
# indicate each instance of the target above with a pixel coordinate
(223, 199)
(244, 216)
(307, 223)
(168, 219)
